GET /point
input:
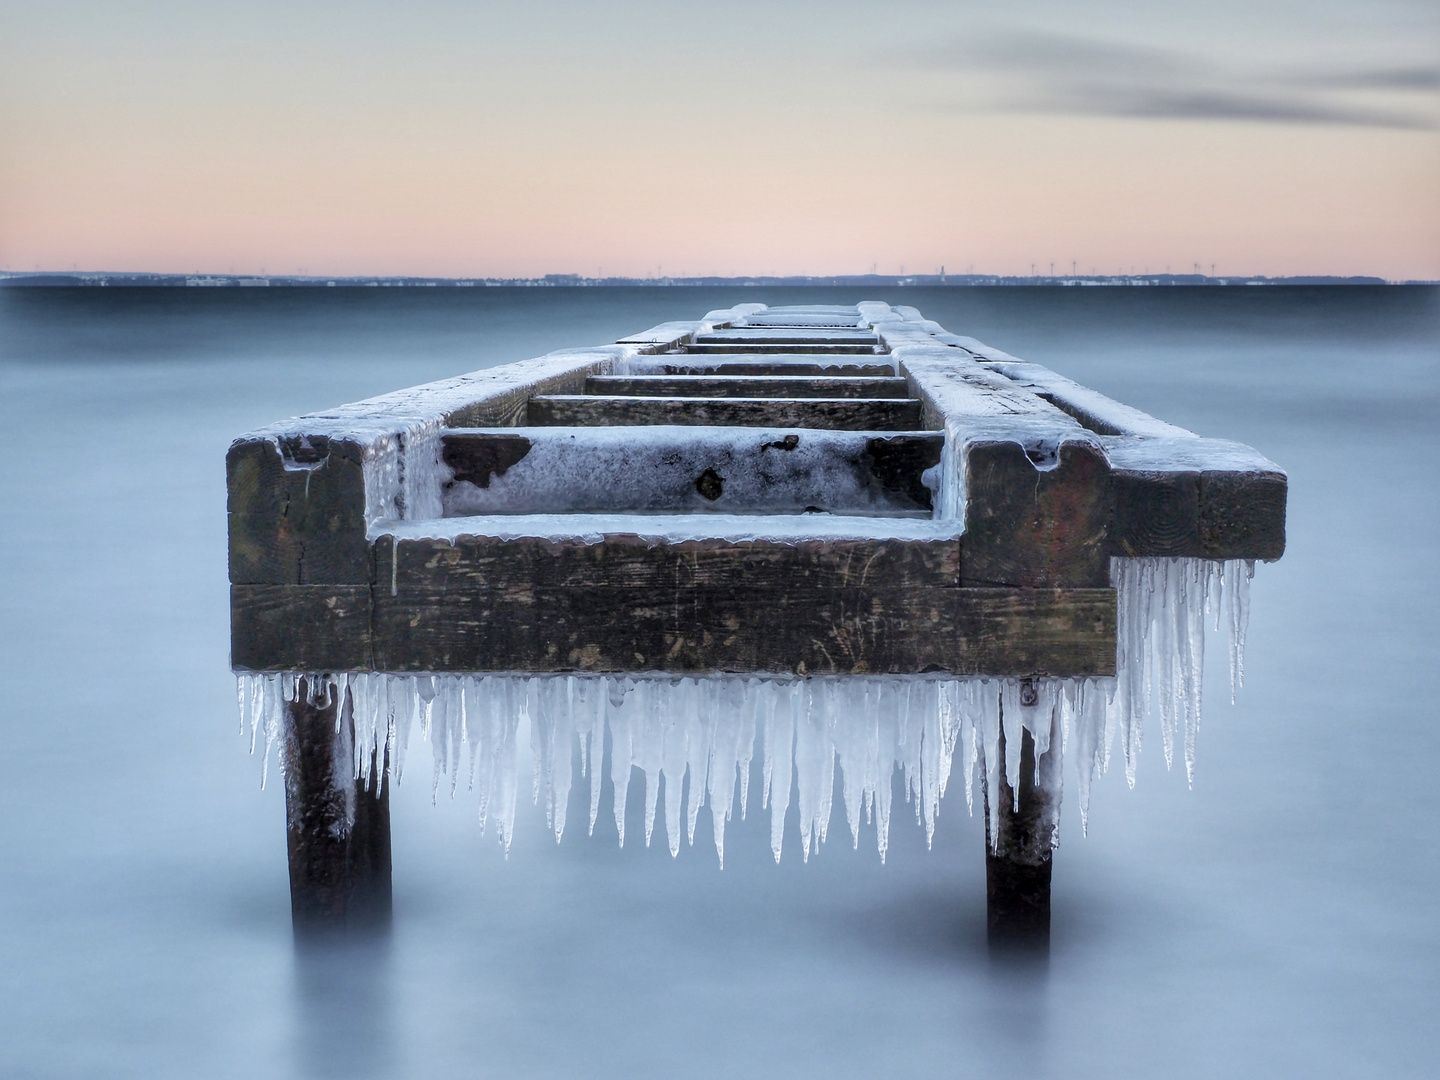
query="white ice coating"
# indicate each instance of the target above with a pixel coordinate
(705, 729)
(566, 470)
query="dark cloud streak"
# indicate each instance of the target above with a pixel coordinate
(1056, 73)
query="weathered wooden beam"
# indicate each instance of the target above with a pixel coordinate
(705, 348)
(1036, 485)
(1036, 528)
(870, 629)
(818, 607)
(1176, 494)
(1202, 498)
(752, 386)
(800, 321)
(337, 831)
(778, 336)
(715, 470)
(468, 561)
(297, 510)
(301, 627)
(302, 491)
(784, 364)
(847, 414)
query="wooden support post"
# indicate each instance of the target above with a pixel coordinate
(1018, 855)
(338, 832)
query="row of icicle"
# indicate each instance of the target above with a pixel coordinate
(705, 729)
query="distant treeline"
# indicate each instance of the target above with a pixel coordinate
(74, 280)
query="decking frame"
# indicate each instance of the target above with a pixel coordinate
(333, 568)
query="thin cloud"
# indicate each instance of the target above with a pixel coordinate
(1418, 79)
(1057, 73)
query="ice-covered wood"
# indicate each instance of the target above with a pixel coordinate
(775, 335)
(848, 414)
(796, 348)
(302, 492)
(746, 386)
(832, 510)
(709, 469)
(724, 363)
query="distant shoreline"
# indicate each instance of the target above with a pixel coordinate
(104, 278)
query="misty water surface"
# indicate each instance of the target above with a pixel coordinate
(1278, 920)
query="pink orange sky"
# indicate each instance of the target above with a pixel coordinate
(449, 138)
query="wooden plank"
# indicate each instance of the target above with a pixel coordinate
(716, 628)
(632, 562)
(300, 627)
(697, 469)
(1176, 494)
(837, 414)
(778, 336)
(796, 322)
(1201, 498)
(782, 364)
(706, 348)
(752, 386)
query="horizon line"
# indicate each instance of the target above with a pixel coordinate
(100, 278)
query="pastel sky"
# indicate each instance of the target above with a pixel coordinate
(495, 138)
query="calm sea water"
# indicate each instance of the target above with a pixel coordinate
(1278, 920)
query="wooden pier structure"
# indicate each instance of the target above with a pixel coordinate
(825, 490)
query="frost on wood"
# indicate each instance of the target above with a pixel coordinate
(708, 730)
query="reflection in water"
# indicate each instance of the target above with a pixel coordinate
(343, 1014)
(1017, 1009)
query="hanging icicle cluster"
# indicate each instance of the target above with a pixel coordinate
(706, 728)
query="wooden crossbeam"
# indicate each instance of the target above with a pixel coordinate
(763, 335)
(822, 607)
(753, 386)
(849, 414)
(780, 364)
(702, 348)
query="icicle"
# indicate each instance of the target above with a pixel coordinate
(697, 735)
(785, 701)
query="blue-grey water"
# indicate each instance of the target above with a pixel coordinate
(1280, 919)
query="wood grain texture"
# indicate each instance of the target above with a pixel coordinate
(1242, 515)
(1033, 528)
(704, 348)
(1210, 514)
(478, 460)
(830, 413)
(300, 627)
(629, 562)
(299, 525)
(1156, 514)
(715, 628)
(754, 386)
(722, 364)
(759, 335)
(507, 409)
